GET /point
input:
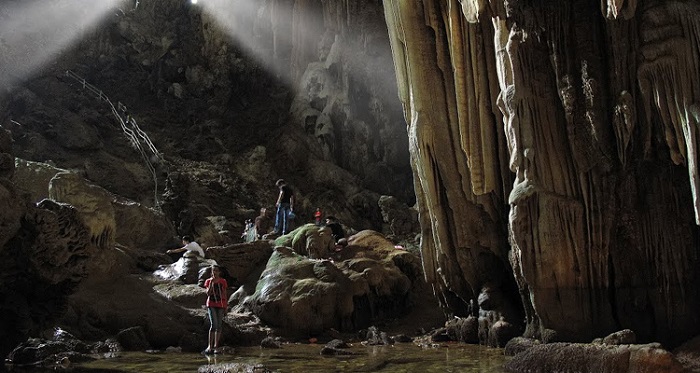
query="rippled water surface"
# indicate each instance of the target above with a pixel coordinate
(306, 358)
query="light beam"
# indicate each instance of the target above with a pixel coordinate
(262, 32)
(33, 33)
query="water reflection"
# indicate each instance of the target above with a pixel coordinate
(304, 358)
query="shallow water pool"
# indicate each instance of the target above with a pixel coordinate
(306, 358)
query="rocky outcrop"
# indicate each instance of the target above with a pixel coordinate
(305, 296)
(241, 261)
(112, 219)
(59, 352)
(586, 358)
(688, 354)
(553, 140)
(47, 251)
(308, 296)
(134, 301)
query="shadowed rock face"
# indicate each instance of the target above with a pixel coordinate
(46, 251)
(557, 142)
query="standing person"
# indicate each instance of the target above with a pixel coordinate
(249, 234)
(285, 205)
(318, 215)
(262, 223)
(217, 302)
(189, 245)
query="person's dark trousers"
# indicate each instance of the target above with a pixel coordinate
(282, 218)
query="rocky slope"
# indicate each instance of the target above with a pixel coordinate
(229, 117)
(318, 108)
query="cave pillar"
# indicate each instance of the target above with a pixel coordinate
(456, 140)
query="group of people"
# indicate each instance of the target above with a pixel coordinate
(284, 218)
(216, 286)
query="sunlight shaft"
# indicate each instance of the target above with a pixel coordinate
(33, 33)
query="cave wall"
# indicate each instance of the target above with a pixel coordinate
(556, 141)
(218, 89)
(346, 95)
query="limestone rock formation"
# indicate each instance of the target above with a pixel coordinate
(309, 240)
(34, 178)
(47, 251)
(557, 141)
(346, 97)
(306, 296)
(111, 218)
(241, 261)
(573, 357)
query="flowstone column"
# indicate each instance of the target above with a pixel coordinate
(572, 126)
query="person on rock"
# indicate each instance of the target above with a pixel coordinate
(318, 215)
(262, 223)
(189, 245)
(250, 233)
(337, 230)
(217, 303)
(285, 207)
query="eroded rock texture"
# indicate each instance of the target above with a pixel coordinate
(557, 140)
(369, 280)
(46, 251)
(341, 59)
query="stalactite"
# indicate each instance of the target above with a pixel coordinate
(595, 105)
(614, 9)
(671, 81)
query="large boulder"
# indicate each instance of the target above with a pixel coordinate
(93, 202)
(594, 358)
(309, 240)
(62, 248)
(102, 307)
(400, 219)
(241, 260)
(302, 295)
(688, 354)
(370, 281)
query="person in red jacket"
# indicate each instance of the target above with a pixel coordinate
(217, 302)
(318, 215)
